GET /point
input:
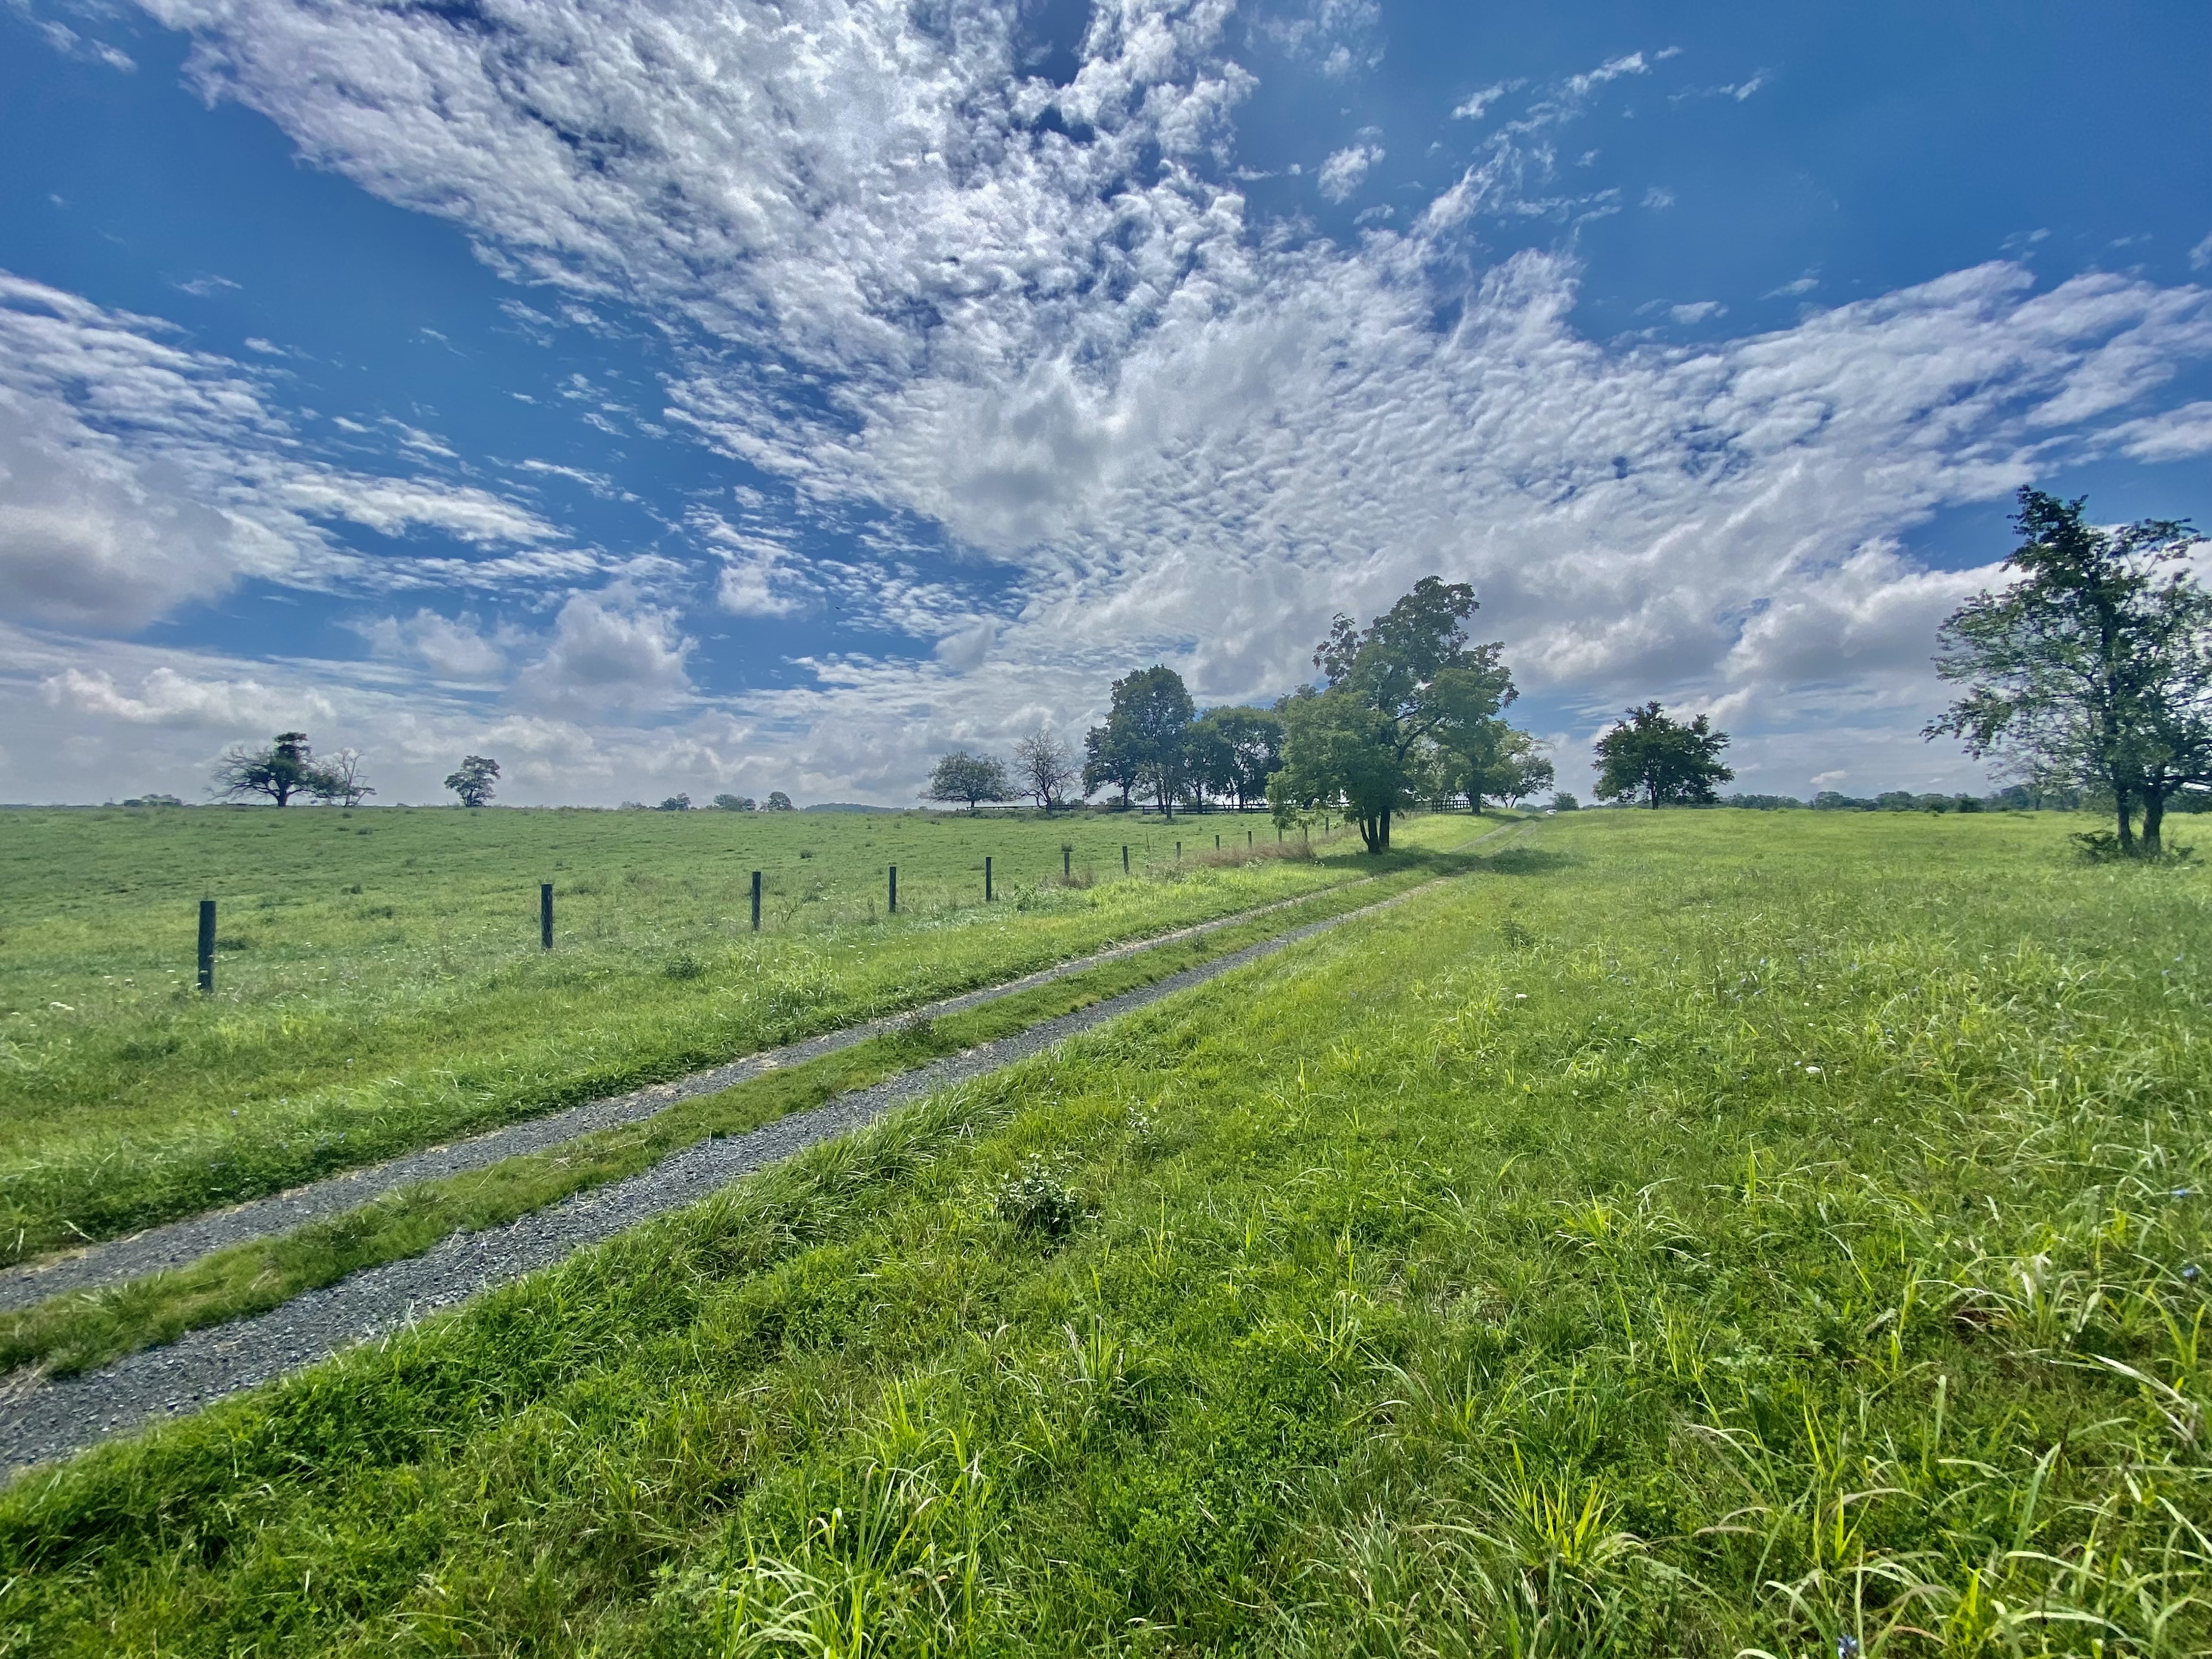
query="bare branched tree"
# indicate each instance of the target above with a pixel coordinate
(1044, 767)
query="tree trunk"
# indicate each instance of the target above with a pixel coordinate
(2125, 809)
(2153, 816)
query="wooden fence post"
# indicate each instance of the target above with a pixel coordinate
(1125, 857)
(1067, 854)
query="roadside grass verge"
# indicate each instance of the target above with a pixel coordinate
(383, 989)
(1712, 1236)
(82, 1330)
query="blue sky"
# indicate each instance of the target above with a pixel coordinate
(720, 396)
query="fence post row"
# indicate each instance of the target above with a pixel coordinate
(987, 879)
(545, 914)
(207, 946)
(756, 901)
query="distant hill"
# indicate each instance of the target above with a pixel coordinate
(848, 806)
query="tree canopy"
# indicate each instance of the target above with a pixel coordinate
(1144, 742)
(961, 777)
(1234, 750)
(284, 769)
(2094, 668)
(1397, 692)
(476, 780)
(1668, 762)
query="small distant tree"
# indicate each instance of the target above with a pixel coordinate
(475, 780)
(735, 803)
(779, 802)
(1044, 767)
(675, 804)
(1564, 802)
(961, 777)
(285, 769)
(1663, 760)
(2093, 669)
(339, 782)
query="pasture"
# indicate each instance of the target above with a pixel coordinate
(379, 983)
(1691, 1232)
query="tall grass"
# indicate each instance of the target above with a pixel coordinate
(380, 987)
(1700, 1235)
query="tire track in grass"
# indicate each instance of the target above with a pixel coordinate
(176, 1243)
(48, 1419)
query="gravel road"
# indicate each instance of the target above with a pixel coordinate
(47, 1419)
(177, 1243)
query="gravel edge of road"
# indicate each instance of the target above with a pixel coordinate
(175, 1243)
(43, 1421)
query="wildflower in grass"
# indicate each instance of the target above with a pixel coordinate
(1847, 1647)
(1811, 1071)
(2191, 1273)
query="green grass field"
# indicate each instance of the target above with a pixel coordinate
(380, 987)
(1702, 1233)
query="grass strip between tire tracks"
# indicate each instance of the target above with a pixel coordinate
(79, 1331)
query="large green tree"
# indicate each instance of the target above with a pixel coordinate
(1394, 692)
(1494, 761)
(1234, 750)
(958, 776)
(2094, 668)
(1144, 742)
(284, 769)
(1669, 762)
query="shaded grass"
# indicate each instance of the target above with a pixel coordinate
(382, 989)
(1740, 1237)
(80, 1330)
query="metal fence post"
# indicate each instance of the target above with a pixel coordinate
(207, 946)
(545, 914)
(756, 901)
(1125, 857)
(987, 879)
(894, 889)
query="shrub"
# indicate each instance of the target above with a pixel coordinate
(1038, 1202)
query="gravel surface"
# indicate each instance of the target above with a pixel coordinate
(46, 1419)
(177, 1243)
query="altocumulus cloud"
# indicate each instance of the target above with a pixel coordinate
(903, 277)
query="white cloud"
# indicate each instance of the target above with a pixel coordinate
(2174, 435)
(1341, 172)
(1658, 196)
(2201, 255)
(1478, 103)
(1580, 86)
(1697, 311)
(452, 648)
(606, 655)
(137, 475)
(166, 698)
